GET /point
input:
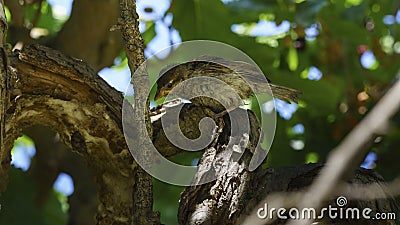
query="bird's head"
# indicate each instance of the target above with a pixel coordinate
(174, 74)
(169, 78)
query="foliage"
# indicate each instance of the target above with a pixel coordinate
(45, 19)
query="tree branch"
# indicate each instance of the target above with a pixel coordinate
(346, 157)
(86, 34)
(341, 165)
(134, 49)
(64, 94)
(5, 157)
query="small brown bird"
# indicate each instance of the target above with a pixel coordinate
(240, 81)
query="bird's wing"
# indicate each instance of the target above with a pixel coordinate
(249, 71)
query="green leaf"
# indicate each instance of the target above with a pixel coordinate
(211, 20)
(353, 2)
(122, 61)
(8, 14)
(24, 140)
(201, 19)
(292, 59)
(46, 18)
(150, 32)
(312, 157)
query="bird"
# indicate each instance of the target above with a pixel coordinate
(239, 81)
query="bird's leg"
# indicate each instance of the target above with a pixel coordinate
(223, 113)
(231, 105)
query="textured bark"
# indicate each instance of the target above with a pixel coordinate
(141, 125)
(224, 199)
(86, 36)
(238, 193)
(4, 101)
(66, 95)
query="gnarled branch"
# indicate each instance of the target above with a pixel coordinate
(63, 93)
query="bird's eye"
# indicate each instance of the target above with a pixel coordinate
(169, 85)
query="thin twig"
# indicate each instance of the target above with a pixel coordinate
(134, 49)
(346, 157)
(341, 164)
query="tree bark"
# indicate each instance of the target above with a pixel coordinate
(66, 95)
(141, 126)
(5, 157)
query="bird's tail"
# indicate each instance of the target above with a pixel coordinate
(285, 93)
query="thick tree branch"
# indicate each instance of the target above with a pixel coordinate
(342, 164)
(284, 187)
(64, 94)
(238, 192)
(3, 25)
(17, 11)
(86, 35)
(5, 157)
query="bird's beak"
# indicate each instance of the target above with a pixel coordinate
(159, 94)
